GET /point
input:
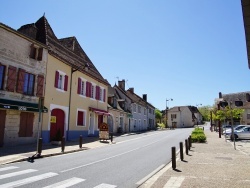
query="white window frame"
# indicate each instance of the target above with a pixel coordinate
(61, 74)
(84, 117)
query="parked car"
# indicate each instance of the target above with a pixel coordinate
(243, 133)
(228, 131)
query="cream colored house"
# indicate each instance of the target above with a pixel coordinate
(75, 92)
(183, 116)
(23, 63)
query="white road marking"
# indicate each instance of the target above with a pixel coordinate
(17, 173)
(66, 183)
(104, 185)
(8, 168)
(174, 182)
(111, 156)
(28, 180)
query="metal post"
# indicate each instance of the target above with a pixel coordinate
(219, 123)
(181, 151)
(80, 141)
(63, 143)
(189, 143)
(173, 158)
(111, 137)
(186, 146)
(39, 149)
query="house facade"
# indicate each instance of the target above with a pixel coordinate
(183, 116)
(75, 92)
(23, 65)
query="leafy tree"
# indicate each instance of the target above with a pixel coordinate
(158, 115)
(226, 113)
(205, 112)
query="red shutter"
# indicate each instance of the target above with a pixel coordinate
(104, 95)
(80, 118)
(96, 93)
(11, 79)
(90, 90)
(29, 125)
(20, 81)
(65, 83)
(79, 85)
(40, 84)
(56, 79)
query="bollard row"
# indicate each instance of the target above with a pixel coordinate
(188, 145)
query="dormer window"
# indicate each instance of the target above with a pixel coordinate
(36, 52)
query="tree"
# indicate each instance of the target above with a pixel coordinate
(205, 112)
(226, 113)
(158, 115)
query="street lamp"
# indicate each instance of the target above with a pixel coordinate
(85, 66)
(167, 107)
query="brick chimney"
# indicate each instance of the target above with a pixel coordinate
(144, 96)
(121, 84)
(131, 90)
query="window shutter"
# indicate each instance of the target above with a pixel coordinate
(96, 92)
(32, 51)
(79, 85)
(29, 125)
(40, 84)
(20, 82)
(104, 95)
(11, 79)
(66, 83)
(80, 118)
(87, 89)
(90, 89)
(56, 79)
(40, 54)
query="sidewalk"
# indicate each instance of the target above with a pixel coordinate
(24, 152)
(212, 164)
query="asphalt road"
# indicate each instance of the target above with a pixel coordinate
(126, 164)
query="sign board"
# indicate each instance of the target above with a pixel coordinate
(104, 131)
(104, 127)
(53, 119)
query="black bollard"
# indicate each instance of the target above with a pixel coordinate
(63, 143)
(111, 137)
(189, 142)
(186, 146)
(80, 141)
(39, 148)
(181, 151)
(173, 158)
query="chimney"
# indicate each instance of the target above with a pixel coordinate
(131, 90)
(220, 95)
(144, 96)
(121, 84)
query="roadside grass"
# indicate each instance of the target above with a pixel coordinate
(161, 125)
(198, 135)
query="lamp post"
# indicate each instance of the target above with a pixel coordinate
(167, 108)
(85, 67)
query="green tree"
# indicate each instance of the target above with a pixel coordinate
(225, 114)
(205, 112)
(158, 115)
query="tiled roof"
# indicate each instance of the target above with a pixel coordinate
(232, 97)
(67, 50)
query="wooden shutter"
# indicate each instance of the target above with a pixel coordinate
(79, 86)
(80, 118)
(97, 92)
(29, 124)
(56, 79)
(66, 83)
(87, 89)
(40, 84)
(11, 80)
(104, 95)
(20, 81)
(40, 54)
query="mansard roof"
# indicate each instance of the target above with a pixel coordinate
(67, 49)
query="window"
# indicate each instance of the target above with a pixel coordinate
(26, 124)
(248, 116)
(145, 111)
(2, 73)
(139, 109)
(81, 87)
(36, 52)
(101, 94)
(61, 81)
(81, 118)
(92, 94)
(25, 83)
(134, 107)
(173, 116)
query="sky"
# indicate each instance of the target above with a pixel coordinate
(188, 51)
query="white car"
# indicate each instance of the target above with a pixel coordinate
(228, 131)
(243, 133)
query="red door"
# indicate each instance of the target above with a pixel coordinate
(57, 128)
(100, 120)
(2, 126)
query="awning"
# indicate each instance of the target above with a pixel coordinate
(20, 105)
(99, 111)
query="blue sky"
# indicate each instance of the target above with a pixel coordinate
(185, 50)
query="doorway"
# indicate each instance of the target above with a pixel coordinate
(57, 126)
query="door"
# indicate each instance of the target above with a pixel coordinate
(26, 124)
(110, 123)
(57, 127)
(100, 120)
(2, 125)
